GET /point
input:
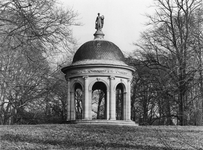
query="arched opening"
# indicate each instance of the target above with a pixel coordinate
(99, 99)
(78, 94)
(120, 101)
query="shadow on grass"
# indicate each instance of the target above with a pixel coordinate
(69, 142)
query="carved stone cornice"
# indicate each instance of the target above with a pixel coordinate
(99, 71)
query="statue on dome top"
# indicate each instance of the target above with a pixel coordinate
(99, 22)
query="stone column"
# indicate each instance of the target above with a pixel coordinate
(90, 104)
(68, 101)
(72, 105)
(107, 105)
(86, 106)
(112, 100)
(128, 101)
(124, 105)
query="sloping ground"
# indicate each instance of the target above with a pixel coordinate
(75, 136)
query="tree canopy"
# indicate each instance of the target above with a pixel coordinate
(31, 31)
(171, 51)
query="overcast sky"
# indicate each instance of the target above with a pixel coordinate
(123, 20)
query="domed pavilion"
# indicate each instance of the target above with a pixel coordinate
(99, 83)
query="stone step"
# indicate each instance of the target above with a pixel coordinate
(107, 122)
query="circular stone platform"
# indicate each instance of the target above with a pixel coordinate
(107, 122)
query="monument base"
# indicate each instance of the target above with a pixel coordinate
(107, 122)
(99, 35)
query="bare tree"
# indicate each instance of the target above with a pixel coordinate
(30, 23)
(172, 38)
(29, 31)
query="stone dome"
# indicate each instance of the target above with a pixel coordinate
(98, 52)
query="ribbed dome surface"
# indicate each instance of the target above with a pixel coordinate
(98, 50)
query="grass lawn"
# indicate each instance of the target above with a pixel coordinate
(75, 136)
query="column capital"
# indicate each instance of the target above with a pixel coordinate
(85, 77)
(128, 80)
(67, 79)
(112, 77)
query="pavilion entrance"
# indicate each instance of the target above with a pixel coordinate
(120, 99)
(78, 96)
(99, 101)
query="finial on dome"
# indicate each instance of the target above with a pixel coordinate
(99, 23)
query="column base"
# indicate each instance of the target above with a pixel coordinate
(70, 122)
(86, 119)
